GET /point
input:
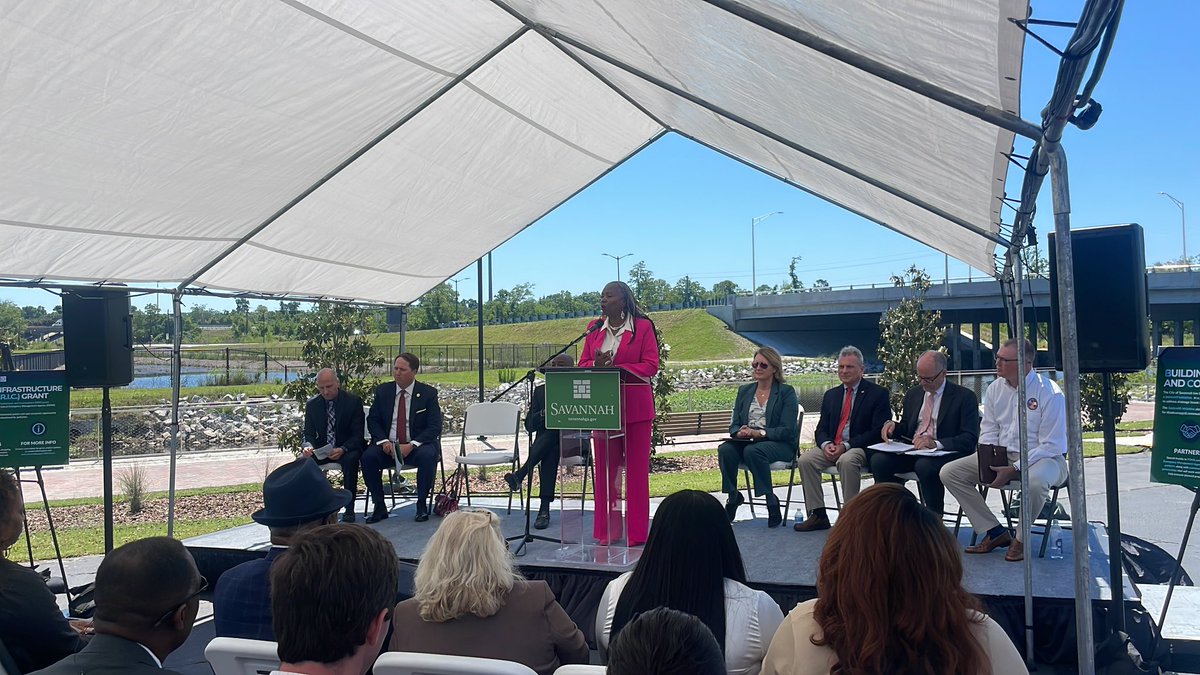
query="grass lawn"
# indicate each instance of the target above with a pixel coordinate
(75, 542)
(92, 398)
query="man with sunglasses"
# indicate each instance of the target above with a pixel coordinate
(147, 597)
(1046, 426)
(332, 598)
(937, 415)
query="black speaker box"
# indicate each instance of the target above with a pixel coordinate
(1112, 316)
(98, 337)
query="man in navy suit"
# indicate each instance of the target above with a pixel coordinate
(335, 418)
(937, 415)
(842, 434)
(405, 423)
(296, 498)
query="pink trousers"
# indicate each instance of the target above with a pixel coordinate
(632, 451)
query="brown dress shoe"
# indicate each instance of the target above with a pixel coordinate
(988, 544)
(813, 523)
(1016, 551)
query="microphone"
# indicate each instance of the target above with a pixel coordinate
(596, 325)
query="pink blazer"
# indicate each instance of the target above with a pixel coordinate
(637, 353)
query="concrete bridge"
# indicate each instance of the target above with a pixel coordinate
(820, 323)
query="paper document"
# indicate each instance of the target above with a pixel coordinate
(930, 452)
(323, 452)
(892, 446)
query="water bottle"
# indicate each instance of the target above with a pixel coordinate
(799, 515)
(1056, 540)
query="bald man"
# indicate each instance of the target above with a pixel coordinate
(335, 417)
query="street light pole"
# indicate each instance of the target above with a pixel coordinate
(618, 259)
(1182, 228)
(457, 314)
(753, 265)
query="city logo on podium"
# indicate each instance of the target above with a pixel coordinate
(581, 389)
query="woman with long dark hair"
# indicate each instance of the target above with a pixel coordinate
(890, 600)
(624, 337)
(692, 564)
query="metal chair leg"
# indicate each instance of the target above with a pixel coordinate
(749, 493)
(1046, 527)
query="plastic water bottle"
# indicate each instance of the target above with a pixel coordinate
(1056, 540)
(799, 515)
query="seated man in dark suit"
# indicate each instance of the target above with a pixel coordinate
(852, 416)
(937, 415)
(147, 596)
(545, 451)
(405, 423)
(296, 498)
(332, 596)
(335, 417)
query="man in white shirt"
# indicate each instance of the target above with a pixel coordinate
(1046, 424)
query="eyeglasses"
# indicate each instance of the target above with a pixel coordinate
(1001, 359)
(166, 615)
(759, 365)
(934, 377)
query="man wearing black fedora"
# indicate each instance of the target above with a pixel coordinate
(296, 498)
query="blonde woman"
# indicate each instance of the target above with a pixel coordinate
(470, 601)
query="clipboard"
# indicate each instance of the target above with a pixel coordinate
(989, 455)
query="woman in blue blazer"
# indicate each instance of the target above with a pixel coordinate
(765, 429)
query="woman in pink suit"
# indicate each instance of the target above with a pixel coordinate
(625, 339)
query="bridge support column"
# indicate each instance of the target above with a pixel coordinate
(955, 353)
(1155, 335)
(976, 349)
(1178, 332)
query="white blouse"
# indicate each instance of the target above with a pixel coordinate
(751, 619)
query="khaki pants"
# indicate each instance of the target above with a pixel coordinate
(961, 478)
(849, 467)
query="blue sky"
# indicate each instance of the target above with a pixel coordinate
(692, 207)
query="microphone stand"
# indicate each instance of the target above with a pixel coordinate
(526, 537)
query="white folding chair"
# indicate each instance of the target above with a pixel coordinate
(238, 656)
(484, 420)
(410, 663)
(575, 669)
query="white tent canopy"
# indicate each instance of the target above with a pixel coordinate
(367, 151)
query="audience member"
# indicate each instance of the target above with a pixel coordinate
(147, 596)
(331, 599)
(937, 415)
(890, 600)
(1046, 426)
(765, 416)
(545, 451)
(32, 628)
(334, 419)
(852, 416)
(296, 498)
(692, 564)
(665, 642)
(470, 601)
(405, 423)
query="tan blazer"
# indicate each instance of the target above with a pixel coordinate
(530, 628)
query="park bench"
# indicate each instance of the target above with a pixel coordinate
(703, 423)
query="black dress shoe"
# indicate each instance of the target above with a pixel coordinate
(732, 503)
(543, 520)
(348, 517)
(376, 516)
(774, 516)
(422, 513)
(514, 483)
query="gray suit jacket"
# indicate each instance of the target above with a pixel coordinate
(107, 655)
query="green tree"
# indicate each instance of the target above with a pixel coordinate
(640, 278)
(721, 289)
(820, 285)
(663, 387)
(1091, 399)
(241, 317)
(332, 337)
(12, 323)
(905, 332)
(794, 283)
(687, 290)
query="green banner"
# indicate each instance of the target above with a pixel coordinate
(35, 410)
(1175, 457)
(583, 399)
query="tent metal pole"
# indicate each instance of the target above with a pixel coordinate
(354, 157)
(1026, 516)
(1060, 191)
(403, 325)
(479, 319)
(987, 113)
(758, 128)
(176, 383)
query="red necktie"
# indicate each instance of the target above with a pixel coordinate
(845, 415)
(401, 419)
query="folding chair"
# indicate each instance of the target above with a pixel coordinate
(238, 656)
(411, 663)
(1006, 507)
(832, 472)
(484, 420)
(776, 466)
